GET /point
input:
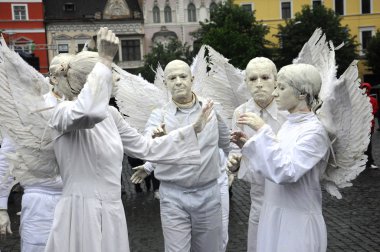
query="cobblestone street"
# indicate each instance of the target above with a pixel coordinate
(353, 223)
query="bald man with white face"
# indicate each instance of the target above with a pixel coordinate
(190, 196)
(260, 78)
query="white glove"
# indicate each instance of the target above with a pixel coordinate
(233, 163)
(107, 44)
(204, 117)
(139, 175)
(5, 223)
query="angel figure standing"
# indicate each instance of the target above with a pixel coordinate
(291, 216)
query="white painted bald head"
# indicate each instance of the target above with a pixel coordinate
(260, 77)
(179, 80)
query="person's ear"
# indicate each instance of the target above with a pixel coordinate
(54, 80)
(302, 97)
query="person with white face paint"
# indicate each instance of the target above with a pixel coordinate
(261, 76)
(190, 200)
(292, 163)
(39, 198)
(90, 139)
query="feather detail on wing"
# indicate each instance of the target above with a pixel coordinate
(136, 98)
(21, 94)
(345, 113)
(217, 79)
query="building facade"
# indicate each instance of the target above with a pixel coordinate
(166, 19)
(70, 23)
(22, 26)
(361, 16)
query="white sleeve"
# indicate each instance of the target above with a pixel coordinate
(91, 106)
(266, 156)
(178, 147)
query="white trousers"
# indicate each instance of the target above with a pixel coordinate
(191, 218)
(37, 214)
(225, 201)
(257, 196)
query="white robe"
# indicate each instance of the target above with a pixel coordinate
(91, 139)
(291, 217)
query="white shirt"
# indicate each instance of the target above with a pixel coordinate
(215, 135)
(271, 115)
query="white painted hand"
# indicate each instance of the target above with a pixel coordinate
(5, 223)
(139, 175)
(107, 44)
(252, 120)
(233, 163)
(239, 138)
(204, 117)
(159, 131)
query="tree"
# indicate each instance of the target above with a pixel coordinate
(163, 54)
(234, 33)
(297, 31)
(373, 53)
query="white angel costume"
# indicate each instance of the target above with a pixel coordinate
(214, 78)
(190, 202)
(274, 118)
(90, 140)
(291, 216)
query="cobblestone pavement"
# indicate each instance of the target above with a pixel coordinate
(353, 223)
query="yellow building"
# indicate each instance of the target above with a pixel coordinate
(361, 16)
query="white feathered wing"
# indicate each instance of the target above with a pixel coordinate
(136, 98)
(21, 93)
(345, 112)
(217, 79)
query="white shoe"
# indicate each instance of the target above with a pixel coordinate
(373, 166)
(157, 195)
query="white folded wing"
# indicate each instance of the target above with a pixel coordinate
(21, 95)
(345, 112)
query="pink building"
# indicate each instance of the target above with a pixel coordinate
(165, 19)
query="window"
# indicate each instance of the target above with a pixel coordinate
(366, 6)
(191, 16)
(20, 12)
(63, 48)
(247, 7)
(69, 7)
(339, 7)
(156, 14)
(365, 37)
(317, 3)
(80, 47)
(131, 50)
(213, 7)
(286, 10)
(168, 14)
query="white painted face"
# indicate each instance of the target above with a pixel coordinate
(285, 96)
(260, 82)
(179, 81)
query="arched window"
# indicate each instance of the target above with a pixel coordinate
(191, 15)
(156, 14)
(168, 14)
(213, 7)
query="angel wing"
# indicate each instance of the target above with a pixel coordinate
(137, 97)
(345, 113)
(217, 79)
(21, 94)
